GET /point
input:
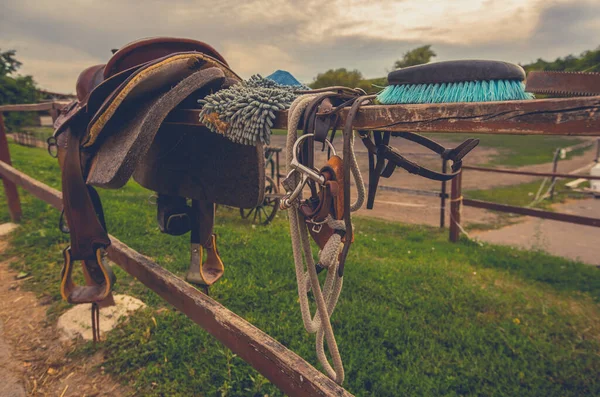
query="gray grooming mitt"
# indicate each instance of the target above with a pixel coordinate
(244, 113)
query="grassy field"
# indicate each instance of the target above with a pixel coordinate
(417, 316)
(519, 150)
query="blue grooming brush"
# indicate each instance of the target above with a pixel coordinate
(456, 81)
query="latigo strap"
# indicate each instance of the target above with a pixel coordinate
(83, 212)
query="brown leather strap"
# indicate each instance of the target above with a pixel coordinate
(203, 219)
(85, 217)
(320, 116)
(204, 272)
(87, 232)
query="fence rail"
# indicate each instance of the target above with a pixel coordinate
(563, 116)
(570, 218)
(33, 107)
(531, 173)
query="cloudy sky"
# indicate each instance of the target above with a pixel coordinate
(57, 39)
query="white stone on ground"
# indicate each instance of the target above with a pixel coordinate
(7, 228)
(77, 321)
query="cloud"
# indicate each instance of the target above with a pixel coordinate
(55, 40)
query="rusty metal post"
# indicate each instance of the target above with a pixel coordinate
(12, 195)
(443, 196)
(455, 203)
(554, 169)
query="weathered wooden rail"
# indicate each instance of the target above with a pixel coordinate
(288, 371)
(531, 173)
(564, 116)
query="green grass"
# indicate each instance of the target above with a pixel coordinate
(278, 132)
(417, 316)
(518, 150)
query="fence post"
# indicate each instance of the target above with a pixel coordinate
(455, 203)
(443, 196)
(12, 195)
(597, 151)
(554, 169)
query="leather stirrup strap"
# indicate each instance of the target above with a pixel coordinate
(204, 272)
(88, 236)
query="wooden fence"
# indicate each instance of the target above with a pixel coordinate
(457, 199)
(289, 372)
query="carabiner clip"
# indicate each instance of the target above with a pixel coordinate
(289, 198)
(304, 170)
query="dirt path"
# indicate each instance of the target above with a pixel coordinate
(33, 361)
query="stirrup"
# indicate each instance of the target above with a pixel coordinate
(205, 273)
(100, 281)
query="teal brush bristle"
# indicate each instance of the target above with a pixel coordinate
(469, 91)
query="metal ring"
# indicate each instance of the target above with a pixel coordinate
(52, 147)
(305, 136)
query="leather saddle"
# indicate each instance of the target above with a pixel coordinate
(115, 129)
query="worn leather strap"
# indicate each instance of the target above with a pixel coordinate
(383, 159)
(321, 116)
(85, 217)
(86, 230)
(330, 201)
(204, 272)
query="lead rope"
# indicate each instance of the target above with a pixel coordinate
(306, 272)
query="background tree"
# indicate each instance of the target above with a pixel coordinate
(16, 89)
(416, 56)
(341, 76)
(587, 61)
(8, 63)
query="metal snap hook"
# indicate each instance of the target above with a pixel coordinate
(291, 196)
(305, 172)
(312, 173)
